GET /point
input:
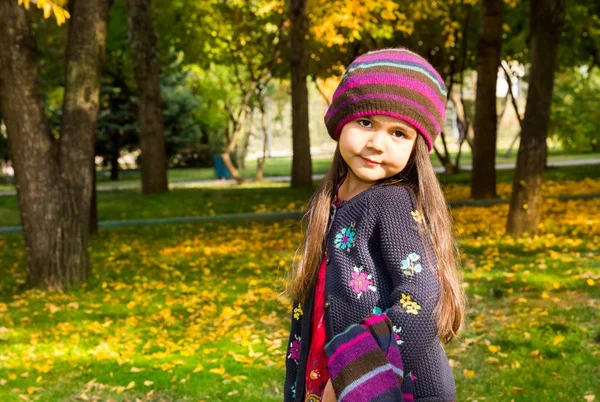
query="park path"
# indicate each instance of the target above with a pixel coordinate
(273, 216)
(204, 183)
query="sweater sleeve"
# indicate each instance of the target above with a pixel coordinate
(292, 354)
(364, 362)
(407, 257)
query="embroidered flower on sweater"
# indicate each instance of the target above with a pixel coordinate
(411, 306)
(417, 216)
(293, 389)
(295, 349)
(346, 237)
(397, 330)
(361, 282)
(410, 266)
(298, 312)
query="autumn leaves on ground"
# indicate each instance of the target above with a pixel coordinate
(195, 312)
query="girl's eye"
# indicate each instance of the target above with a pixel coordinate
(365, 123)
(398, 134)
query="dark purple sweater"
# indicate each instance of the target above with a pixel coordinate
(380, 260)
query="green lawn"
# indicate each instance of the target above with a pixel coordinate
(267, 196)
(195, 312)
(281, 167)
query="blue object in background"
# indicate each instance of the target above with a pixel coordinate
(220, 169)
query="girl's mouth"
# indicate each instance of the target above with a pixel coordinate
(370, 162)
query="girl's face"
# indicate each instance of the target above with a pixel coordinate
(376, 147)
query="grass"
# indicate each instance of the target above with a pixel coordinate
(194, 312)
(269, 196)
(280, 166)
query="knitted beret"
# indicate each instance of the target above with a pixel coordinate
(391, 82)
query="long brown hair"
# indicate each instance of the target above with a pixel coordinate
(421, 178)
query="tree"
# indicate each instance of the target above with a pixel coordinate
(483, 178)
(52, 173)
(150, 114)
(301, 160)
(546, 22)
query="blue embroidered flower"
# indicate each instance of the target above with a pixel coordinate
(410, 266)
(293, 389)
(346, 237)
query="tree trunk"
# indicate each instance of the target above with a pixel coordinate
(546, 22)
(301, 159)
(150, 114)
(483, 177)
(93, 228)
(52, 176)
(263, 124)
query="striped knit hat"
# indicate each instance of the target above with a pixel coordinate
(391, 82)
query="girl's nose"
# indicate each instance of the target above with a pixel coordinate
(376, 140)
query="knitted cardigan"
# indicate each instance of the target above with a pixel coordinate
(379, 260)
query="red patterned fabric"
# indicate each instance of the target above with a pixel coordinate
(317, 373)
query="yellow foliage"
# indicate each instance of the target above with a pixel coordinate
(55, 7)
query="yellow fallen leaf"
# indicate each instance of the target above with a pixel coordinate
(558, 339)
(148, 383)
(518, 390)
(130, 385)
(136, 370)
(198, 368)
(589, 397)
(494, 348)
(492, 360)
(591, 282)
(219, 371)
(468, 373)
(30, 390)
(545, 295)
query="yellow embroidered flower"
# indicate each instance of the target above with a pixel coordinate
(298, 312)
(405, 300)
(417, 216)
(412, 308)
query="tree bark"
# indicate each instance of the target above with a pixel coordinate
(301, 159)
(93, 228)
(260, 168)
(546, 22)
(483, 177)
(52, 176)
(150, 114)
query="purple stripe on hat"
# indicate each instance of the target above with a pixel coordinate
(407, 119)
(374, 319)
(370, 385)
(409, 65)
(337, 362)
(398, 54)
(347, 345)
(331, 113)
(390, 79)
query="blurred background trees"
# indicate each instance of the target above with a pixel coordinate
(185, 82)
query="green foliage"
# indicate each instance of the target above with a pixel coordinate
(575, 119)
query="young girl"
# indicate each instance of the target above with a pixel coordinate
(378, 243)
